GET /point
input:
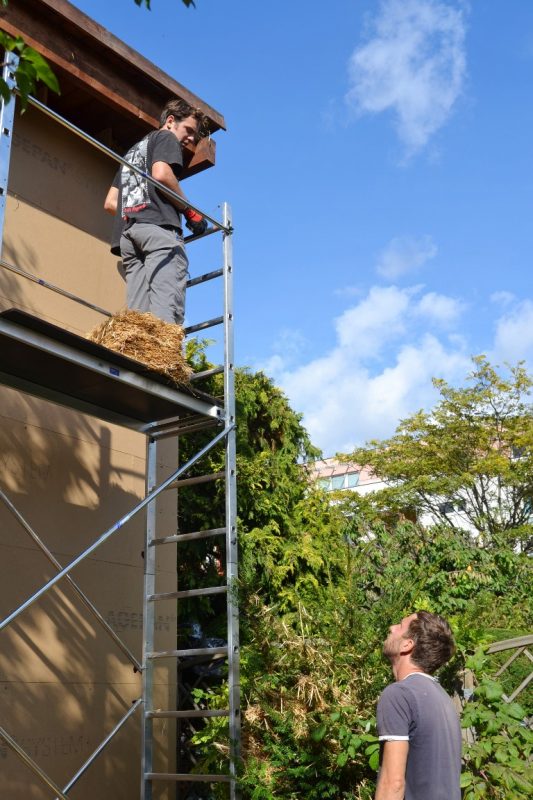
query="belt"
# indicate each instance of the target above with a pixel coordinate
(175, 228)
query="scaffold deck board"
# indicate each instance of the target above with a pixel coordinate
(49, 362)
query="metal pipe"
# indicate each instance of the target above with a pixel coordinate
(188, 593)
(38, 541)
(207, 276)
(114, 528)
(7, 118)
(215, 476)
(52, 287)
(101, 747)
(187, 777)
(107, 150)
(198, 651)
(197, 376)
(231, 513)
(196, 714)
(188, 537)
(201, 326)
(31, 764)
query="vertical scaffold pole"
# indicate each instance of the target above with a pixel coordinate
(147, 753)
(7, 118)
(231, 510)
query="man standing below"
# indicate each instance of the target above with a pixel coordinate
(151, 245)
(417, 723)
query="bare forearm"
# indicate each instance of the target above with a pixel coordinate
(390, 790)
(163, 173)
(391, 779)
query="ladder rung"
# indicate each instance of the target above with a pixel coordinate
(219, 712)
(188, 777)
(216, 476)
(197, 660)
(196, 376)
(188, 593)
(198, 651)
(207, 276)
(199, 424)
(201, 326)
(188, 537)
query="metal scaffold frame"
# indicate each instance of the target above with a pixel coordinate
(193, 411)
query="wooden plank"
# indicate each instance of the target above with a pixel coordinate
(99, 89)
(508, 644)
(73, 39)
(199, 159)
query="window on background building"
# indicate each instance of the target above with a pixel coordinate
(352, 479)
(325, 483)
(446, 508)
(337, 482)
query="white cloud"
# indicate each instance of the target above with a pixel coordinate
(405, 254)
(514, 334)
(440, 308)
(376, 319)
(502, 298)
(413, 64)
(347, 395)
(290, 346)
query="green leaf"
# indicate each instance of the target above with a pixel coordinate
(516, 711)
(42, 69)
(466, 779)
(373, 761)
(493, 689)
(342, 759)
(319, 733)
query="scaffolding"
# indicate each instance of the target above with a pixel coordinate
(46, 361)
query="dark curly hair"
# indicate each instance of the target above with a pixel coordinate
(179, 109)
(434, 644)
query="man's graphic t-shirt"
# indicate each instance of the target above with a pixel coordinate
(141, 202)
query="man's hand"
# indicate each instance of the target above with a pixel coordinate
(391, 779)
(195, 222)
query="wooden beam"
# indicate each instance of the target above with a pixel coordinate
(72, 40)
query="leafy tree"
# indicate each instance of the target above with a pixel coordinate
(474, 451)
(318, 588)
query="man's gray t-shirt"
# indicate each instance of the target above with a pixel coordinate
(418, 710)
(141, 201)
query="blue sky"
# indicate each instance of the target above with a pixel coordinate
(379, 163)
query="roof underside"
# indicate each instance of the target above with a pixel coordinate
(107, 88)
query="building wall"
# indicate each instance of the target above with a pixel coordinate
(63, 683)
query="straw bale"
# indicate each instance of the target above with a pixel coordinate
(145, 338)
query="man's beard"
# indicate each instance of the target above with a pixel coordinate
(391, 647)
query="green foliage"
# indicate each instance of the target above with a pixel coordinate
(31, 69)
(498, 762)
(319, 587)
(474, 450)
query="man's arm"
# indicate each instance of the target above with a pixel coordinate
(162, 172)
(391, 780)
(111, 200)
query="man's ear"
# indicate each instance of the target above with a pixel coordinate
(406, 646)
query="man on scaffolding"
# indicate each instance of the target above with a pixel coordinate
(151, 245)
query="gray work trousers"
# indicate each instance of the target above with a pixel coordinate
(155, 264)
